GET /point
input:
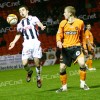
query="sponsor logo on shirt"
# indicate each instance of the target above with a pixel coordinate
(71, 32)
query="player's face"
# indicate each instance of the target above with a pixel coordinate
(23, 12)
(88, 27)
(66, 14)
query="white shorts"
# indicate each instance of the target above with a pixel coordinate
(31, 49)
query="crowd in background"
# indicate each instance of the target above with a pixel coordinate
(50, 14)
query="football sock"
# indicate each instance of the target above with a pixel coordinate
(38, 71)
(64, 86)
(63, 78)
(27, 68)
(82, 75)
(89, 63)
(83, 82)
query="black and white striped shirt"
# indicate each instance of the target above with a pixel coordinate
(27, 27)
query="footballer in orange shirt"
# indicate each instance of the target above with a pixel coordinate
(70, 39)
(90, 46)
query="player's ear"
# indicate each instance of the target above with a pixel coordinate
(28, 11)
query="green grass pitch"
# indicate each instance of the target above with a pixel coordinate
(13, 85)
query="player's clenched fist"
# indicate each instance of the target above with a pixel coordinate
(59, 44)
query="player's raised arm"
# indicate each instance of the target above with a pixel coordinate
(41, 25)
(12, 44)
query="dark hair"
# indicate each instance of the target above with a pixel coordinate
(88, 24)
(24, 7)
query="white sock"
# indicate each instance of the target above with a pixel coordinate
(83, 82)
(64, 86)
(38, 71)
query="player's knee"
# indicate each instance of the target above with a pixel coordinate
(82, 64)
(63, 72)
(62, 68)
(81, 61)
(90, 57)
(61, 60)
(36, 61)
(24, 62)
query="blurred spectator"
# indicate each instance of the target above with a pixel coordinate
(3, 25)
(55, 20)
(49, 20)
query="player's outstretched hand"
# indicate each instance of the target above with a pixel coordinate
(12, 44)
(43, 27)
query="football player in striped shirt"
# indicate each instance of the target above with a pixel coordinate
(31, 44)
(70, 39)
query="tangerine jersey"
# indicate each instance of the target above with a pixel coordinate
(71, 34)
(89, 36)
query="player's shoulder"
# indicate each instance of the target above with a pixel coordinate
(19, 23)
(34, 18)
(21, 20)
(63, 22)
(86, 31)
(31, 17)
(79, 21)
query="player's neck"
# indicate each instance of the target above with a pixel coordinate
(71, 19)
(88, 29)
(26, 16)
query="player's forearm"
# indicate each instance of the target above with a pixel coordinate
(59, 36)
(83, 39)
(40, 25)
(84, 43)
(16, 38)
(84, 46)
(89, 43)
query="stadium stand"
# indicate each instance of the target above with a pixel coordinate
(47, 40)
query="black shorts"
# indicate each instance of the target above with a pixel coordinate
(70, 54)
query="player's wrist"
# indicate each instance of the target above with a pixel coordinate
(13, 42)
(58, 41)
